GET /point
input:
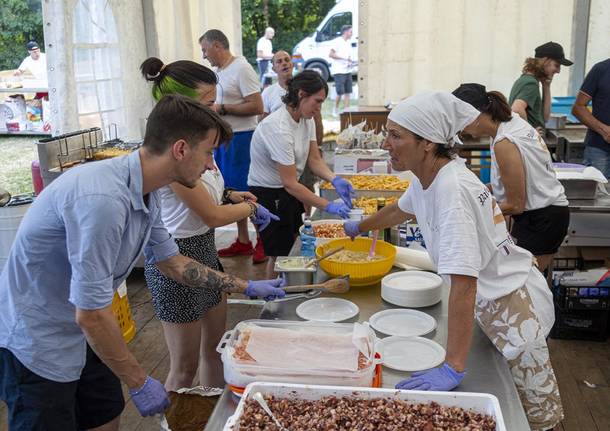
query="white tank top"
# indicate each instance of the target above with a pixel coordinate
(179, 219)
(542, 188)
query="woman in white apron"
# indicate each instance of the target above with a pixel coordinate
(465, 233)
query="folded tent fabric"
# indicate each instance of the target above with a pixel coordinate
(435, 116)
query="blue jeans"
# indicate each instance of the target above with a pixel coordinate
(598, 158)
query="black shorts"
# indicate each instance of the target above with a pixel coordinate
(279, 236)
(343, 83)
(541, 231)
(38, 404)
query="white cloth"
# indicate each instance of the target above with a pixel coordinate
(343, 48)
(235, 82)
(465, 232)
(38, 68)
(435, 116)
(178, 218)
(264, 45)
(272, 98)
(542, 188)
(279, 139)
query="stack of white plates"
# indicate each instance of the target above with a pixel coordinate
(412, 288)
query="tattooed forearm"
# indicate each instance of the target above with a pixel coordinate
(200, 276)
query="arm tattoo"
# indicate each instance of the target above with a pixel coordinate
(197, 275)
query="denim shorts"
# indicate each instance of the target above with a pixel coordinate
(598, 158)
(38, 404)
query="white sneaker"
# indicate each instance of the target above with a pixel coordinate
(335, 113)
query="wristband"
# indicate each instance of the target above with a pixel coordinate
(253, 208)
(226, 195)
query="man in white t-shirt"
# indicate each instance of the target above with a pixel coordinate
(238, 100)
(35, 63)
(264, 52)
(341, 66)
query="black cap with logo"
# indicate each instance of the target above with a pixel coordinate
(552, 50)
(31, 46)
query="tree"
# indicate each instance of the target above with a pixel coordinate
(291, 19)
(20, 22)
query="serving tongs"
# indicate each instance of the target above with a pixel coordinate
(308, 294)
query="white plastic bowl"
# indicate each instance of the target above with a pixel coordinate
(320, 241)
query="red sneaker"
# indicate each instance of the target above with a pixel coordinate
(259, 255)
(236, 249)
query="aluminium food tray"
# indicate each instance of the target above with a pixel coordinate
(479, 402)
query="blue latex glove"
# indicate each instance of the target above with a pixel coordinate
(263, 217)
(268, 289)
(338, 208)
(151, 398)
(443, 378)
(352, 228)
(344, 190)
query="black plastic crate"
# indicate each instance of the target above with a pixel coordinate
(582, 298)
(580, 324)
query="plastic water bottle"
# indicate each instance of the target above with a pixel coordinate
(308, 239)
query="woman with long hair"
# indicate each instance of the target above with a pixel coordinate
(194, 320)
(283, 143)
(523, 180)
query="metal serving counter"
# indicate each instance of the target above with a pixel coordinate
(487, 369)
(589, 222)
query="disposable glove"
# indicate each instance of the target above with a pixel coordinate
(352, 228)
(344, 190)
(267, 289)
(262, 217)
(338, 208)
(443, 378)
(151, 398)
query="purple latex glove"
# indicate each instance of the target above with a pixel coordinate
(443, 378)
(344, 190)
(338, 208)
(263, 217)
(151, 398)
(268, 289)
(352, 228)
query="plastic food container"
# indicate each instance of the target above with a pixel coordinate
(321, 240)
(239, 374)
(479, 402)
(360, 273)
(294, 269)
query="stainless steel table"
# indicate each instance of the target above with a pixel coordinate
(589, 222)
(487, 369)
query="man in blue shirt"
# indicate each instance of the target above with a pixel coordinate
(61, 349)
(596, 87)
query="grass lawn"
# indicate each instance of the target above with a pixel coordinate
(16, 155)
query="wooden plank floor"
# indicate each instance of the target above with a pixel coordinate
(586, 409)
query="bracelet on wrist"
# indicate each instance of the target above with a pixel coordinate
(253, 208)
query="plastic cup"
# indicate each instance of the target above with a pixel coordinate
(356, 214)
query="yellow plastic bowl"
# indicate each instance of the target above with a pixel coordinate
(361, 273)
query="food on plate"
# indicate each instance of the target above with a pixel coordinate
(374, 182)
(349, 256)
(351, 413)
(369, 205)
(329, 230)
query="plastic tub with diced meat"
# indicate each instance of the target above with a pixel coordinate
(297, 352)
(478, 402)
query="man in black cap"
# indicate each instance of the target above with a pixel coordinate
(35, 63)
(525, 98)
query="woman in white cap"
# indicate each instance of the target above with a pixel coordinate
(465, 233)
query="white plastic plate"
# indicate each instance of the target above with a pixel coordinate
(410, 354)
(402, 323)
(327, 310)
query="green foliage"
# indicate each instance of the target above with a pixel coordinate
(20, 22)
(291, 19)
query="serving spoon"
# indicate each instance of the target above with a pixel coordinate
(258, 397)
(334, 285)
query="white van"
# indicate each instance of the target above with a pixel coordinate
(313, 51)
